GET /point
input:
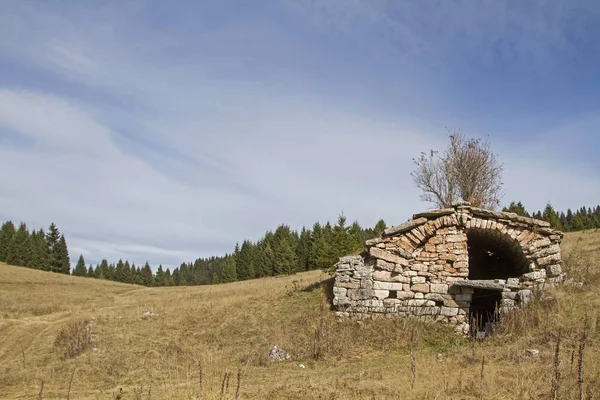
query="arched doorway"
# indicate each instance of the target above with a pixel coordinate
(492, 255)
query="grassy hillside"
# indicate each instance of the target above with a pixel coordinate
(200, 339)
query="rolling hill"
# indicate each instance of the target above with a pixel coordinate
(213, 341)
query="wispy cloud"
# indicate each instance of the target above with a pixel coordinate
(165, 133)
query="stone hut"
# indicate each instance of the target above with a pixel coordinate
(454, 266)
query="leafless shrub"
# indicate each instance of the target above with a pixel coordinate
(74, 339)
(466, 170)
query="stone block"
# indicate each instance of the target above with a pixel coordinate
(535, 275)
(382, 275)
(381, 294)
(553, 270)
(449, 311)
(509, 295)
(418, 279)
(391, 302)
(419, 296)
(551, 259)
(359, 294)
(339, 291)
(387, 285)
(405, 295)
(384, 255)
(524, 297)
(405, 227)
(420, 287)
(435, 297)
(438, 288)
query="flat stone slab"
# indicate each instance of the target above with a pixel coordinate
(480, 284)
(405, 227)
(435, 213)
(480, 212)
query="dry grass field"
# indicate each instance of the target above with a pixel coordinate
(213, 342)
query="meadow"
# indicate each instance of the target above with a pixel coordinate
(79, 338)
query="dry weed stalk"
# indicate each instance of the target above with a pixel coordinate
(556, 376)
(582, 344)
(239, 384)
(41, 393)
(225, 384)
(71, 382)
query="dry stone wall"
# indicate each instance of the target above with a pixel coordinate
(421, 268)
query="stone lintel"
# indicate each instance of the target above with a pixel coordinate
(480, 284)
(405, 227)
(435, 213)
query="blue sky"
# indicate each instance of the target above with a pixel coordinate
(164, 131)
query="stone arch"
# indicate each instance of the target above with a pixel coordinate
(434, 266)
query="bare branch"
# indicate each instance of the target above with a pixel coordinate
(466, 170)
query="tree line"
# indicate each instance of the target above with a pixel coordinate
(569, 221)
(35, 249)
(279, 252)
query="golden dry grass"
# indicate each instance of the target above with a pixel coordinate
(199, 334)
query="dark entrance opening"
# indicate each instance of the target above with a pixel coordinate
(484, 310)
(492, 255)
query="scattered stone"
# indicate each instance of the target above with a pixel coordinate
(277, 354)
(532, 352)
(301, 366)
(148, 314)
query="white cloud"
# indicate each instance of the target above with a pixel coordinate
(154, 145)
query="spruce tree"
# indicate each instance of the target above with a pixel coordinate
(229, 272)
(379, 228)
(517, 208)
(61, 262)
(245, 261)
(6, 233)
(303, 250)
(120, 275)
(550, 216)
(80, 268)
(19, 252)
(146, 275)
(266, 261)
(159, 279)
(319, 248)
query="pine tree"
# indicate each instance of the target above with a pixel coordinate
(168, 278)
(266, 260)
(90, 272)
(6, 233)
(303, 250)
(146, 275)
(159, 279)
(517, 208)
(244, 261)
(80, 268)
(340, 239)
(19, 252)
(285, 261)
(550, 216)
(103, 270)
(379, 228)
(229, 272)
(129, 274)
(60, 257)
(120, 275)
(318, 248)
